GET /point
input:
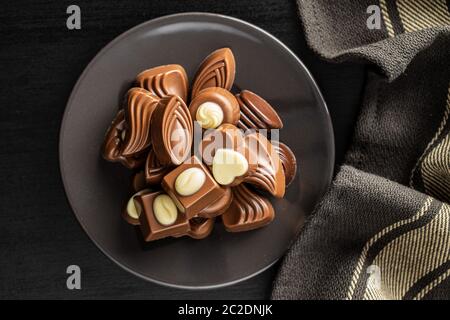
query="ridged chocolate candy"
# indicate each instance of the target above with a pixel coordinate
(269, 175)
(138, 114)
(256, 113)
(288, 161)
(172, 131)
(113, 144)
(217, 70)
(248, 211)
(165, 80)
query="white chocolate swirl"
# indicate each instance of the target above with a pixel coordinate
(189, 181)
(165, 210)
(209, 115)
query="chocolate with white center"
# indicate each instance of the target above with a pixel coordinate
(226, 136)
(192, 187)
(172, 131)
(225, 151)
(165, 80)
(217, 70)
(159, 217)
(130, 213)
(213, 107)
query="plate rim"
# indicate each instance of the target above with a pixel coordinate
(92, 62)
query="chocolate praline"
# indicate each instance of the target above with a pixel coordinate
(113, 144)
(256, 113)
(217, 70)
(213, 107)
(165, 80)
(172, 131)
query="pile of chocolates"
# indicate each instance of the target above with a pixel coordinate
(181, 186)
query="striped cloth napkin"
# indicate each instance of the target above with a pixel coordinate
(383, 229)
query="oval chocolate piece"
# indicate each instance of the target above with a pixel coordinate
(248, 211)
(269, 175)
(217, 70)
(256, 113)
(172, 131)
(213, 107)
(288, 161)
(165, 80)
(113, 144)
(138, 114)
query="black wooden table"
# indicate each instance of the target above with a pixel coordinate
(40, 62)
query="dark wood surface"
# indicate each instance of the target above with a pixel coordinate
(40, 62)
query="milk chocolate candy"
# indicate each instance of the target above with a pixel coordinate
(113, 144)
(159, 217)
(130, 213)
(218, 207)
(200, 228)
(269, 175)
(248, 211)
(165, 80)
(224, 150)
(213, 107)
(288, 161)
(256, 113)
(192, 187)
(138, 113)
(154, 171)
(217, 70)
(171, 131)
(227, 136)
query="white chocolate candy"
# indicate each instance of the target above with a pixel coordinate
(165, 210)
(189, 181)
(133, 208)
(209, 115)
(227, 165)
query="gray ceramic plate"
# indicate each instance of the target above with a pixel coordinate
(97, 190)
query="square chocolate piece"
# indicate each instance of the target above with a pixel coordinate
(171, 223)
(192, 187)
